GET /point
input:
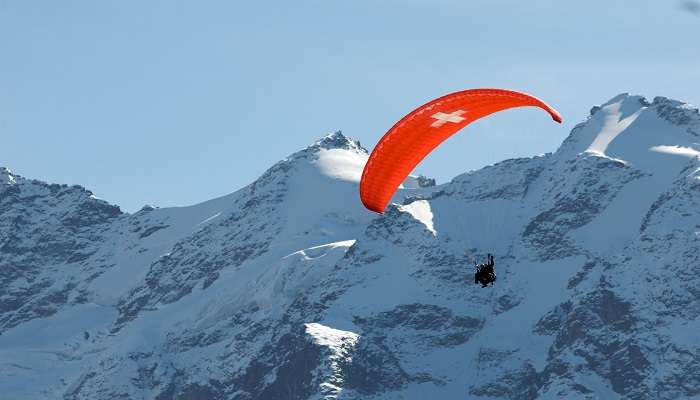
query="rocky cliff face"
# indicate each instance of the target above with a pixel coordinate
(289, 289)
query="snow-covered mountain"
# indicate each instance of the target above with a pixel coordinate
(290, 289)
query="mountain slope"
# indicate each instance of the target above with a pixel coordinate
(289, 289)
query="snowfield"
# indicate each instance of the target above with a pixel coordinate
(289, 289)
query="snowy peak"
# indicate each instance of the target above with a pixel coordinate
(337, 140)
(36, 198)
(417, 182)
(631, 130)
(6, 177)
(334, 156)
(630, 101)
(678, 113)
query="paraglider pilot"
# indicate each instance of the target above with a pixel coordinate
(485, 273)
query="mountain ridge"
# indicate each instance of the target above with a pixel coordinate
(288, 288)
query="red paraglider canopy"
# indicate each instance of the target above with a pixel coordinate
(418, 133)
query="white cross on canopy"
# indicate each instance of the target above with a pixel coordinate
(442, 118)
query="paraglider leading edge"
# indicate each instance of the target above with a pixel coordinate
(414, 136)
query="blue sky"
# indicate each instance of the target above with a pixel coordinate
(171, 103)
